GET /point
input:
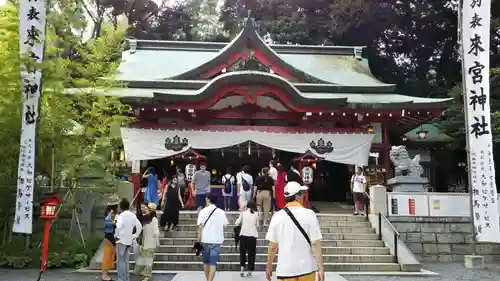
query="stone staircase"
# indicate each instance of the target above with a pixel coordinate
(349, 244)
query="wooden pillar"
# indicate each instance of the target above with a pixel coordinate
(386, 149)
(135, 176)
(136, 181)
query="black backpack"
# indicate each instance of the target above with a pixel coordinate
(228, 186)
(246, 186)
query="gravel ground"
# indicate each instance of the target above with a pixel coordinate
(447, 271)
(62, 275)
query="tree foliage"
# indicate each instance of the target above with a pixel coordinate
(453, 123)
(75, 131)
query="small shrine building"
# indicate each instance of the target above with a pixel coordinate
(321, 101)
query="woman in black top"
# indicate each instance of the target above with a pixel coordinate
(265, 192)
(173, 205)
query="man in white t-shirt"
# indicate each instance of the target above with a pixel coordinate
(211, 223)
(273, 172)
(245, 188)
(299, 256)
(358, 188)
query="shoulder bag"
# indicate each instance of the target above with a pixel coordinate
(289, 213)
(197, 245)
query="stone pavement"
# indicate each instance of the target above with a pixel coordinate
(447, 271)
(64, 275)
(235, 276)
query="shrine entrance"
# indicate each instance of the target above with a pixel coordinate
(331, 182)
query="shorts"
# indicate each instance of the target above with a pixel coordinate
(201, 200)
(211, 253)
(307, 277)
(358, 196)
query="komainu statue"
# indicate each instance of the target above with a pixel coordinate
(404, 166)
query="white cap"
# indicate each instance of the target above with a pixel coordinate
(292, 188)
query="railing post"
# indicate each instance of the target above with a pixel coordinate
(380, 226)
(367, 206)
(395, 247)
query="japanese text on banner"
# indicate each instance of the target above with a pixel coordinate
(32, 17)
(476, 49)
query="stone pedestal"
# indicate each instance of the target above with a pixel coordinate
(125, 189)
(474, 262)
(378, 195)
(407, 184)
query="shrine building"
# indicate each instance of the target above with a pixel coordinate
(247, 102)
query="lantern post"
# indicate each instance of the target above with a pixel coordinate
(48, 212)
(306, 164)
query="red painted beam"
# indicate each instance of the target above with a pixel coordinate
(271, 129)
(367, 113)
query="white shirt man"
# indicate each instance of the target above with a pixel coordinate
(211, 224)
(358, 187)
(124, 234)
(296, 256)
(244, 195)
(213, 230)
(273, 172)
(125, 223)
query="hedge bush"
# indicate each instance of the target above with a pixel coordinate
(64, 252)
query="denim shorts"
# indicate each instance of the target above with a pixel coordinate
(211, 253)
(201, 200)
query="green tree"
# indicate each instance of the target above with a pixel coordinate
(77, 130)
(453, 122)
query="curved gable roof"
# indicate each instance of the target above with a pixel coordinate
(302, 65)
(251, 78)
(248, 35)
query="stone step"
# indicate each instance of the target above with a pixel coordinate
(235, 257)
(192, 215)
(261, 266)
(263, 250)
(328, 229)
(183, 241)
(356, 224)
(326, 236)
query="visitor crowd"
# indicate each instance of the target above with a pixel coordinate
(293, 229)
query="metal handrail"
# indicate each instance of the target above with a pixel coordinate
(396, 234)
(390, 223)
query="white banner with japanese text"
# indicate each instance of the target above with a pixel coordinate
(476, 64)
(32, 18)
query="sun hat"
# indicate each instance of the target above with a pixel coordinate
(152, 206)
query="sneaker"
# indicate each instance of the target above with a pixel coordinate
(356, 214)
(242, 273)
(249, 274)
(361, 214)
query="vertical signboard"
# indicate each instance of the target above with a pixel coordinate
(411, 206)
(475, 28)
(32, 16)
